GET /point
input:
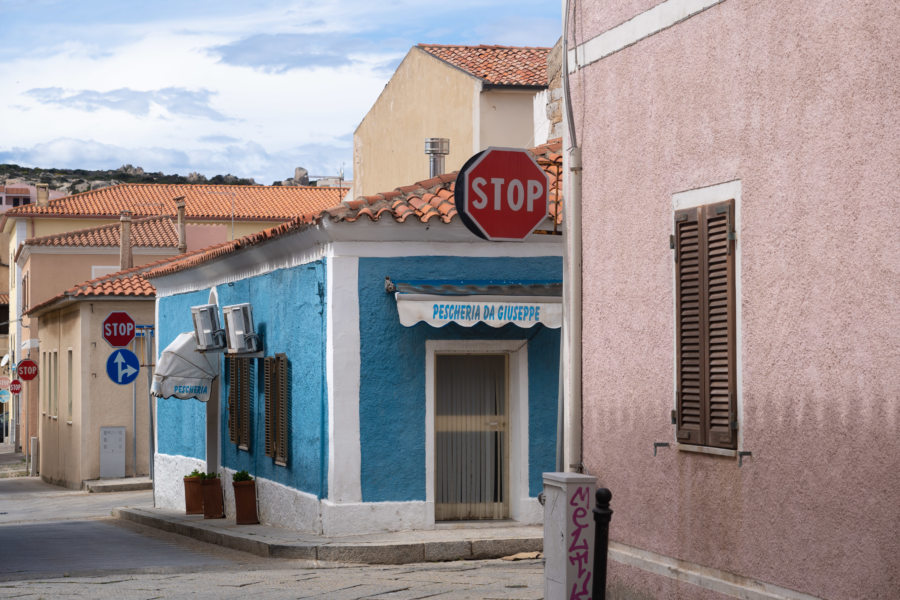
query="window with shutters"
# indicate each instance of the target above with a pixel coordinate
(239, 372)
(704, 244)
(278, 407)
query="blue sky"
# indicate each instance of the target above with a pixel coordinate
(249, 88)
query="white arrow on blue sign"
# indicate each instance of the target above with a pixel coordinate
(123, 366)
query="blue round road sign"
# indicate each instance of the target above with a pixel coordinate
(123, 366)
(4, 396)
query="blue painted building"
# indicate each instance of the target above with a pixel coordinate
(422, 367)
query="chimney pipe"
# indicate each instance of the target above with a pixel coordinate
(182, 238)
(43, 194)
(436, 149)
(125, 258)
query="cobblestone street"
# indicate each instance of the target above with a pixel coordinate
(489, 579)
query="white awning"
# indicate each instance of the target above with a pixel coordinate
(182, 372)
(496, 311)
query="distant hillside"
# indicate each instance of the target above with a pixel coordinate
(71, 181)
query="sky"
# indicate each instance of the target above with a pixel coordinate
(251, 88)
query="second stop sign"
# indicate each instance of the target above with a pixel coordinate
(118, 329)
(502, 194)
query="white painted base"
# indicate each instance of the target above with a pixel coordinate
(278, 505)
(282, 506)
(527, 511)
(168, 479)
(374, 517)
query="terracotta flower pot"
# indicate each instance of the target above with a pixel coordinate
(193, 498)
(245, 502)
(213, 504)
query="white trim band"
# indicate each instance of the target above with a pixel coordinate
(661, 16)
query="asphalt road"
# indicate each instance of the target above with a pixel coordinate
(58, 543)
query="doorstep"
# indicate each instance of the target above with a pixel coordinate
(123, 484)
(393, 548)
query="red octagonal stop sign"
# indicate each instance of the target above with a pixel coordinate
(27, 369)
(118, 329)
(501, 194)
(15, 386)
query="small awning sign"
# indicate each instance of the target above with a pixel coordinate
(183, 372)
(438, 311)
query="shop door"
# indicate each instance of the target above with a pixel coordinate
(472, 435)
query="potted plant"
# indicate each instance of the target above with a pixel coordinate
(244, 498)
(213, 504)
(193, 497)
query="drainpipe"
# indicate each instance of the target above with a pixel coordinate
(436, 149)
(572, 276)
(125, 258)
(182, 238)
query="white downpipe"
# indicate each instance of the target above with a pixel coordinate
(572, 264)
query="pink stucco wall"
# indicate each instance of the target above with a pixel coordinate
(799, 101)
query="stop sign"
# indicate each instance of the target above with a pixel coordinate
(501, 194)
(4, 382)
(27, 370)
(15, 387)
(118, 329)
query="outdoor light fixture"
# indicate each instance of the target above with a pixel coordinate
(239, 333)
(210, 335)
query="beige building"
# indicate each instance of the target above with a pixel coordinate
(475, 96)
(52, 263)
(78, 401)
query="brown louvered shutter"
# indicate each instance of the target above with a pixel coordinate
(281, 446)
(720, 377)
(244, 443)
(689, 410)
(705, 336)
(232, 399)
(268, 368)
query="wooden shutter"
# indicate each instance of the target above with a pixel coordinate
(244, 433)
(277, 384)
(705, 334)
(269, 375)
(284, 409)
(232, 399)
(239, 404)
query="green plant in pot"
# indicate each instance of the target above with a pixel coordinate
(193, 497)
(244, 498)
(213, 503)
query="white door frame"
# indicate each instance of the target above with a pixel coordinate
(517, 350)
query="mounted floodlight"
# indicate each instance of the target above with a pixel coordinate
(239, 332)
(210, 335)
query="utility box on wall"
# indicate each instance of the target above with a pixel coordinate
(112, 452)
(568, 535)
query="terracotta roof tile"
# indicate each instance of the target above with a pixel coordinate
(401, 204)
(496, 65)
(4, 298)
(434, 197)
(18, 191)
(151, 232)
(251, 202)
(191, 259)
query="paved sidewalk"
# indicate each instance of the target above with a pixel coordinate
(457, 543)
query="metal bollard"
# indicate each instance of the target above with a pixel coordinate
(602, 516)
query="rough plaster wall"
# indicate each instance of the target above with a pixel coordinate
(181, 424)
(168, 479)
(425, 98)
(392, 399)
(288, 310)
(799, 102)
(277, 505)
(593, 17)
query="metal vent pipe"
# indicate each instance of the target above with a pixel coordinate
(436, 149)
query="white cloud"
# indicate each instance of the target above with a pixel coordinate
(285, 83)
